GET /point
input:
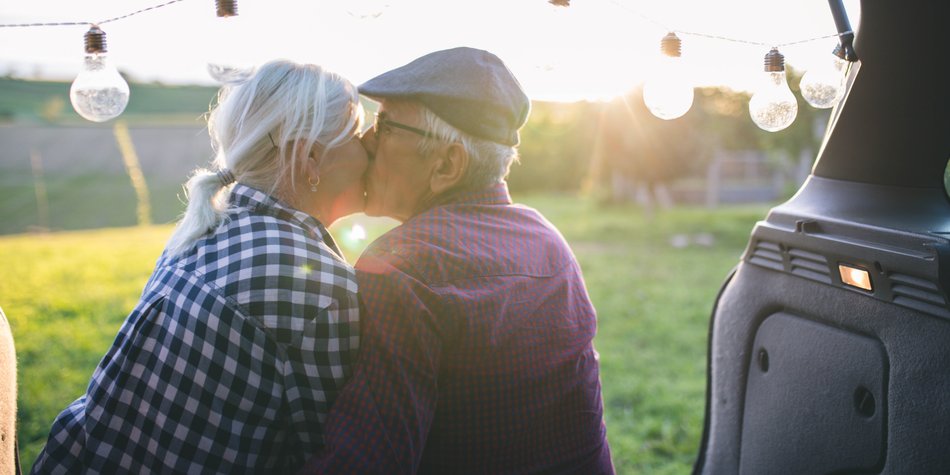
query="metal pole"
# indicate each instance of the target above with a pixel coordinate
(845, 33)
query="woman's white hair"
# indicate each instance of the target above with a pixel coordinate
(259, 130)
(488, 163)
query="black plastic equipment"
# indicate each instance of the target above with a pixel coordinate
(810, 375)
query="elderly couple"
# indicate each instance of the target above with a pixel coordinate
(467, 348)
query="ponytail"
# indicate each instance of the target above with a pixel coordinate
(207, 207)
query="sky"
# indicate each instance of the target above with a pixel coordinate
(591, 50)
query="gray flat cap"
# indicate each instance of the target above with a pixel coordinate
(469, 88)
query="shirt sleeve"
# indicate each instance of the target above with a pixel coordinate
(189, 384)
(382, 418)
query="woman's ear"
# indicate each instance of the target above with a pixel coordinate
(448, 168)
(312, 164)
(308, 159)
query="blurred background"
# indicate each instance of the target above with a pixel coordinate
(657, 211)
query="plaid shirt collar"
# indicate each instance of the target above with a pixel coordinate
(496, 194)
(252, 199)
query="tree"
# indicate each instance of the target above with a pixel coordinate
(638, 152)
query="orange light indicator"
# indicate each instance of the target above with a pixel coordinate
(855, 277)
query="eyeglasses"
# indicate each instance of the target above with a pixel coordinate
(382, 123)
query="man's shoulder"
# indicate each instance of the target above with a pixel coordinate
(451, 222)
(464, 241)
(394, 250)
(437, 230)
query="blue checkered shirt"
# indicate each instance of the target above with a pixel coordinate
(231, 359)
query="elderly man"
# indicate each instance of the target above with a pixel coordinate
(476, 354)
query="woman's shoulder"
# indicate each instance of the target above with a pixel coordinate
(282, 276)
(264, 234)
(254, 257)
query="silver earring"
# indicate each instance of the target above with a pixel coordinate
(313, 186)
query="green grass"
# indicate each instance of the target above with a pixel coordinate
(67, 293)
(82, 201)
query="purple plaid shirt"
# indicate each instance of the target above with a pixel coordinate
(476, 353)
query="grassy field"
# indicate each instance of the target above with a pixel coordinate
(67, 293)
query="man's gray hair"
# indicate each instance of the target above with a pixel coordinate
(489, 162)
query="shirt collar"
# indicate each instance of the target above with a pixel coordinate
(496, 194)
(247, 197)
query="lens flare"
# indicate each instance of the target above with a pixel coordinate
(357, 232)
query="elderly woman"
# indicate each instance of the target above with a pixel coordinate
(248, 326)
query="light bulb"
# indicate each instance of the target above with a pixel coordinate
(823, 86)
(669, 92)
(773, 107)
(226, 63)
(99, 92)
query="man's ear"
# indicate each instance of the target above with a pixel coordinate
(448, 168)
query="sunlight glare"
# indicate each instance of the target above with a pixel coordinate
(357, 232)
(304, 270)
(591, 50)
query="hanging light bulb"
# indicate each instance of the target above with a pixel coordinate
(226, 64)
(669, 92)
(773, 107)
(823, 86)
(99, 92)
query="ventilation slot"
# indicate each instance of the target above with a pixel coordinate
(918, 294)
(767, 254)
(809, 265)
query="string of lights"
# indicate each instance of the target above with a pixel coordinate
(665, 27)
(669, 95)
(755, 43)
(99, 92)
(103, 22)
(28, 25)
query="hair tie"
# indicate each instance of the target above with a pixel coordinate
(225, 176)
